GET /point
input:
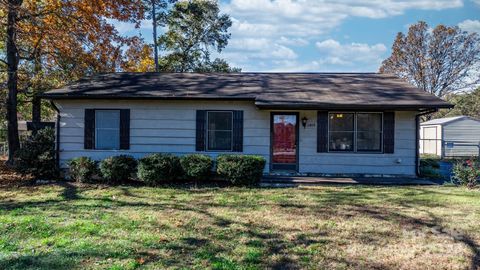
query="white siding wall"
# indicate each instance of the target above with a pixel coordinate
(169, 126)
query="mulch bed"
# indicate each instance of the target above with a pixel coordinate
(8, 176)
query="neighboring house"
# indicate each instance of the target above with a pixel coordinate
(457, 136)
(310, 123)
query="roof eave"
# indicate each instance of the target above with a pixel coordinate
(352, 106)
(124, 97)
(260, 105)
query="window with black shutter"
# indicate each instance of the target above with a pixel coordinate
(125, 129)
(322, 131)
(107, 129)
(89, 129)
(389, 132)
(219, 131)
(200, 131)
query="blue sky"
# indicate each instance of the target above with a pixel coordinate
(325, 35)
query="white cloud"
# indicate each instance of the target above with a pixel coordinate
(293, 41)
(476, 2)
(270, 35)
(470, 25)
(245, 51)
(278, 26)
(314, 17)
(352, 56)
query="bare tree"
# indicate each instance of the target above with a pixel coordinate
(439, 61)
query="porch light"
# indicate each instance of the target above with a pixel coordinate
(304, 121)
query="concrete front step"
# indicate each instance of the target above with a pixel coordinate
(310, 180)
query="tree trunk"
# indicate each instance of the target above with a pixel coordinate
(12, 80)
(36, 108)
(36, 100)
(155, 45)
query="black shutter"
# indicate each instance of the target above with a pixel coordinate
(200, 132)
(322, 131)
(125, 129)
(237, 131)
(89, 129)
(388, 132)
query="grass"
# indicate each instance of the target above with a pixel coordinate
(67, 226)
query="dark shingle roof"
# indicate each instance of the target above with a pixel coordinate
(268, 90)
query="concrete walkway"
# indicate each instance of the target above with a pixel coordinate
(285, 181)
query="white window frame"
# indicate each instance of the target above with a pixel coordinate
(207, 130)
(355, 133)
(97, 128)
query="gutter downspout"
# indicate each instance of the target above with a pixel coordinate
(57, 126)
(417, 138)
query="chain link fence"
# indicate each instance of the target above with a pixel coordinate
(3, 142)
(23, 135)
(3, 149)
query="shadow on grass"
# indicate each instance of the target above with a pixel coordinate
(330, 202)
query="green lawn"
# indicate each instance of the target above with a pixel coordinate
(335, 227)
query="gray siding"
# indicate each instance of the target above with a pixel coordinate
(466, 130)
(159, 126)
(402, 162)
(169, 126)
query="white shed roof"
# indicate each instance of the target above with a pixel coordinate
(446, 120)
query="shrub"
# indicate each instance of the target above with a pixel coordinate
(196, 166)
(466, 173)
(82, 169)
(241, 169)
(157, 168)
(430, 172)
(117, 169)
(429, 162)
(37, 155)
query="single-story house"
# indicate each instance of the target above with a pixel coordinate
(305, 123)
(450, 137)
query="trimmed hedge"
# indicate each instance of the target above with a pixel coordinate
(429, 162)
(241, 169)
(118, 169)
(82, 169)
(159, 168)
(197, 167)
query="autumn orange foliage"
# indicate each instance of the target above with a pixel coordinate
(79, 33)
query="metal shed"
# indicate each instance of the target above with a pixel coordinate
(450, 137)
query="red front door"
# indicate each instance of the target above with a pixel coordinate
(284, 141)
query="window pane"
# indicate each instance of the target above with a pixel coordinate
(107, 129)
(219, 140)
(219, 120)
(369, 122)
(341, 141)
(108, 139)
(341, 122)
(369, 132)
(219, 131)
(107, 119)
(369, 141)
